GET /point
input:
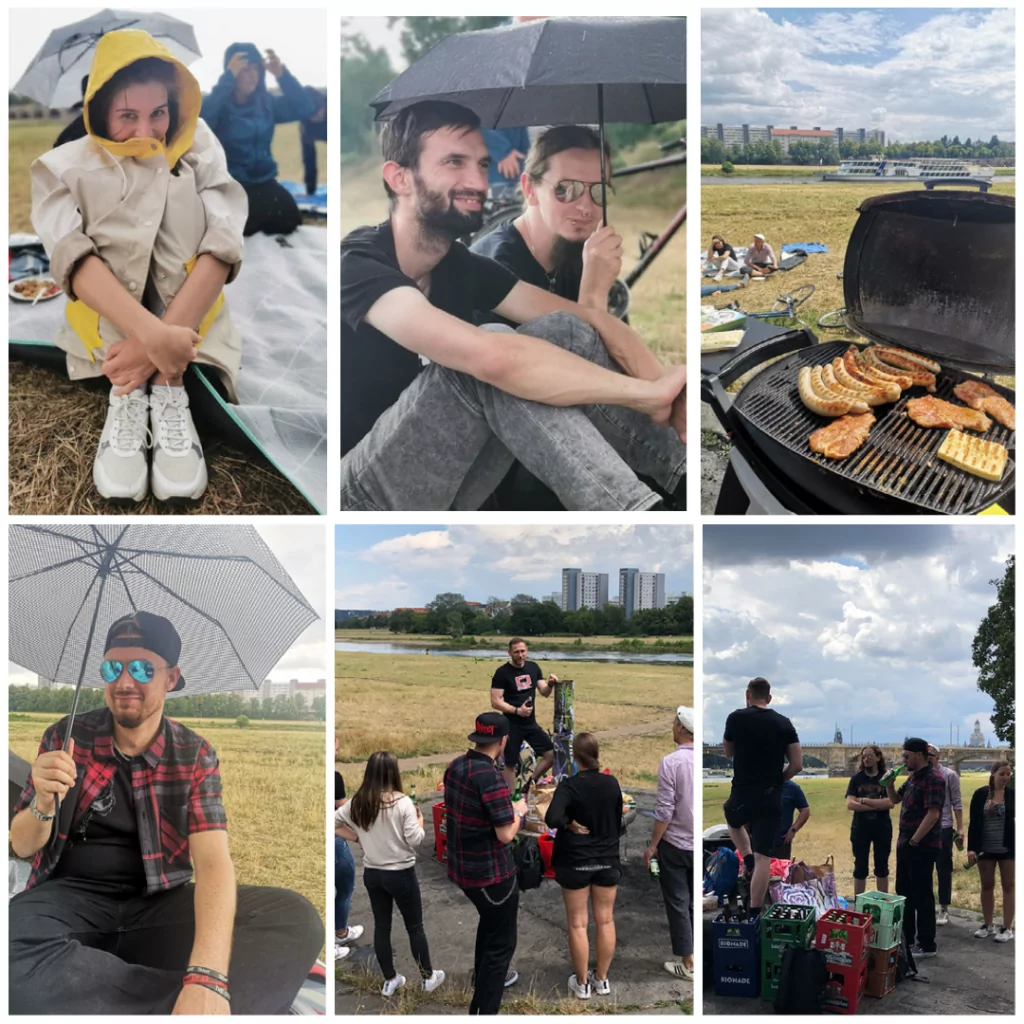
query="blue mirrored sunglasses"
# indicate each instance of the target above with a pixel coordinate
(140, 670)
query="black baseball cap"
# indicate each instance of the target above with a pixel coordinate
(153, 632)
(915, 745)
(491, 726)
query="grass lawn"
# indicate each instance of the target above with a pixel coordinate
(273, 775)
(385, 636)
(827, 832)
(54, 423)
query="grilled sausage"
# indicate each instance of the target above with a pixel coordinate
(873, 394)
(920, 377)
(821, 406)
(878, 376)
(824, 389)
(905, 360)
(860, 371)
(868, 396)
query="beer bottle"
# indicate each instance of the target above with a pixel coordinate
(892, 774)
(958, 840)
(655, 866)
(412, 793)
(519, 791)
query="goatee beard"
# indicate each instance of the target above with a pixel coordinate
(438, 217)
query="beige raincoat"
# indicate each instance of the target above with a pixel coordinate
(120, 201)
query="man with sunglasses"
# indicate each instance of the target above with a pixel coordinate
(574, 393)
(111, 921)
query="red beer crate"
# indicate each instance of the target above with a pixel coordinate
(844, 937)
(844, 987)
(881, 979)
(440, 831)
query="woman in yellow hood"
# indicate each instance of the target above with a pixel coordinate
(143, 227)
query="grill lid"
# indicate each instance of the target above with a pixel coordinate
(933, 271)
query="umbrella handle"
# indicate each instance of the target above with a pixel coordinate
(604, 177)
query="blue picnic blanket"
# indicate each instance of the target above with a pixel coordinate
(316, 204)
(805, 246)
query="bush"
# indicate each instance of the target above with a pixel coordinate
(727, 167)
(242, 721)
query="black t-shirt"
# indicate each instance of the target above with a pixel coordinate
(374, 369)
(593, 800)
(509, 248)
(866, 787)
(104, 847)
(339, 786)
(760, 736)
(518, 685)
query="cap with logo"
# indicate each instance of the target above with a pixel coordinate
(491, 726)
(153, 632)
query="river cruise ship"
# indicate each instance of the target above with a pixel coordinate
(927, 168)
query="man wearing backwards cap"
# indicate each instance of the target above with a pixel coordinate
(672, 842)
(110, 921)
(482, 821)
(760, 259)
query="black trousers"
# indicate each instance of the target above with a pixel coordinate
(878, 832)
(944, 867)
(496, 935)
(72, 951)
(385, 889)
(914, 868)
(272, 209)
(677, 890)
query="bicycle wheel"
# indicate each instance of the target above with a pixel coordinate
(798, 296)
(834, 321)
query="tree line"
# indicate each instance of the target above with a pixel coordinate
(58, 700)
(450, 615)
(828, 152)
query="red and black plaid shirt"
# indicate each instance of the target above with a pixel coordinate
(476, 799)
(175, 783)
(925, 789)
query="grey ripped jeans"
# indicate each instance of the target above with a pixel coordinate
(449, 440)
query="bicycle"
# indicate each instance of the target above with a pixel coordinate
(783, 308)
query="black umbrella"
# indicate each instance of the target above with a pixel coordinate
(556, 71)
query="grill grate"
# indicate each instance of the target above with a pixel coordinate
(897, 459)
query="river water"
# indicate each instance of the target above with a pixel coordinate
(536, 653)
(1008, 179)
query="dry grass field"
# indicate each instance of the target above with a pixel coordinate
(273, 775)
(827, 832)
(54, 423)
(385, 636)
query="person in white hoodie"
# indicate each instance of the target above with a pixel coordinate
(389, 827)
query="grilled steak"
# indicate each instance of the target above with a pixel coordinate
(978, 395)
(843, 436)
(935, 412)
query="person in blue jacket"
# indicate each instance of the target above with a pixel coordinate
(310, 130)
(242, 114)
(507, 148)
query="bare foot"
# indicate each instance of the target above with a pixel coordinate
(664, 392)
(677, 418)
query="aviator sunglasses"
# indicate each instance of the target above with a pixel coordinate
(141, 670)
(569, 190)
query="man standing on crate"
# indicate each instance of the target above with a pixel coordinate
(919, 844)
(952, 807)
(760, 742)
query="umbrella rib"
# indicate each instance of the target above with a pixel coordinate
(67, 636)
(34, 528)
(49, 568)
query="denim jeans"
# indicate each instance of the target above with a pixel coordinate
(449, 440)
(344, 882)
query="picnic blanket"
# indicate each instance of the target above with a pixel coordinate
(315, 205)
(279, 304)
(805, 247)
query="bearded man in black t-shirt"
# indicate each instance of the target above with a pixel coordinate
(575, 394)
(513, 691)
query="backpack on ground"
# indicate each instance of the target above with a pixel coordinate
(801, 982)
(528, 861)
(906, 965)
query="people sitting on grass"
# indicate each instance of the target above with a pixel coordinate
(952, 807)
(721, 260)
(111, 921)
(242, 113)
(143, 227)
(514, 687)
(991, 843)
(482, 821)
(871, 825)
(761, 742)
(389, 828)
(672, 842)
(918, 844)
(443, 435)
(760, 259)
(344, 880)
(586, 810)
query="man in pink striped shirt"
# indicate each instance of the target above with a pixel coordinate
(672, 842)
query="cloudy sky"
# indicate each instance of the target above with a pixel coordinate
(383, 567)
(870, 626)
(917, 73)
(299, 547)
(298, 37)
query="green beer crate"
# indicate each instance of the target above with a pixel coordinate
(887, 911)
(783, 925)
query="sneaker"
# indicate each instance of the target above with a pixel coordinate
(602, 986)
(678, 969)
(744, 281)
(429, 984)
(392, 986)
(578, 990)
(985, 931)
(352, 933)
(511, 978)
(925, 954)
(1004, 935)
(179, 469)
(340, 952)
(120, 470)
(942, 917)
(718, 276)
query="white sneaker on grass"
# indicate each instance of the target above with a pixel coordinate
(120, 470)
(578, 990)
(602, 986)
(1004, 935)
(392, 985)
(429, 984)
(179, 469)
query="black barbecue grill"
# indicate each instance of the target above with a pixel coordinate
(925, 271)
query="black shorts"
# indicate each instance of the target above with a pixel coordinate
(523, 729)
(996, 856)
(604, 875)
(760, 809)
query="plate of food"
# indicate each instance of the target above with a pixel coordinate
(33, 289)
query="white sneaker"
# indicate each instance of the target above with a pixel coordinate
(120, 470)
(340, 952)
(179, 469)
(678, 969)
(718, 276)
(578, 990)
(602, 986)
(392, 986)
(985, 931)
(511, 978)
(1004, 935)
(942, 917)
(429, 984)
(353, 933)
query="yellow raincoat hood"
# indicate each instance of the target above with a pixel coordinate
(117, 50)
